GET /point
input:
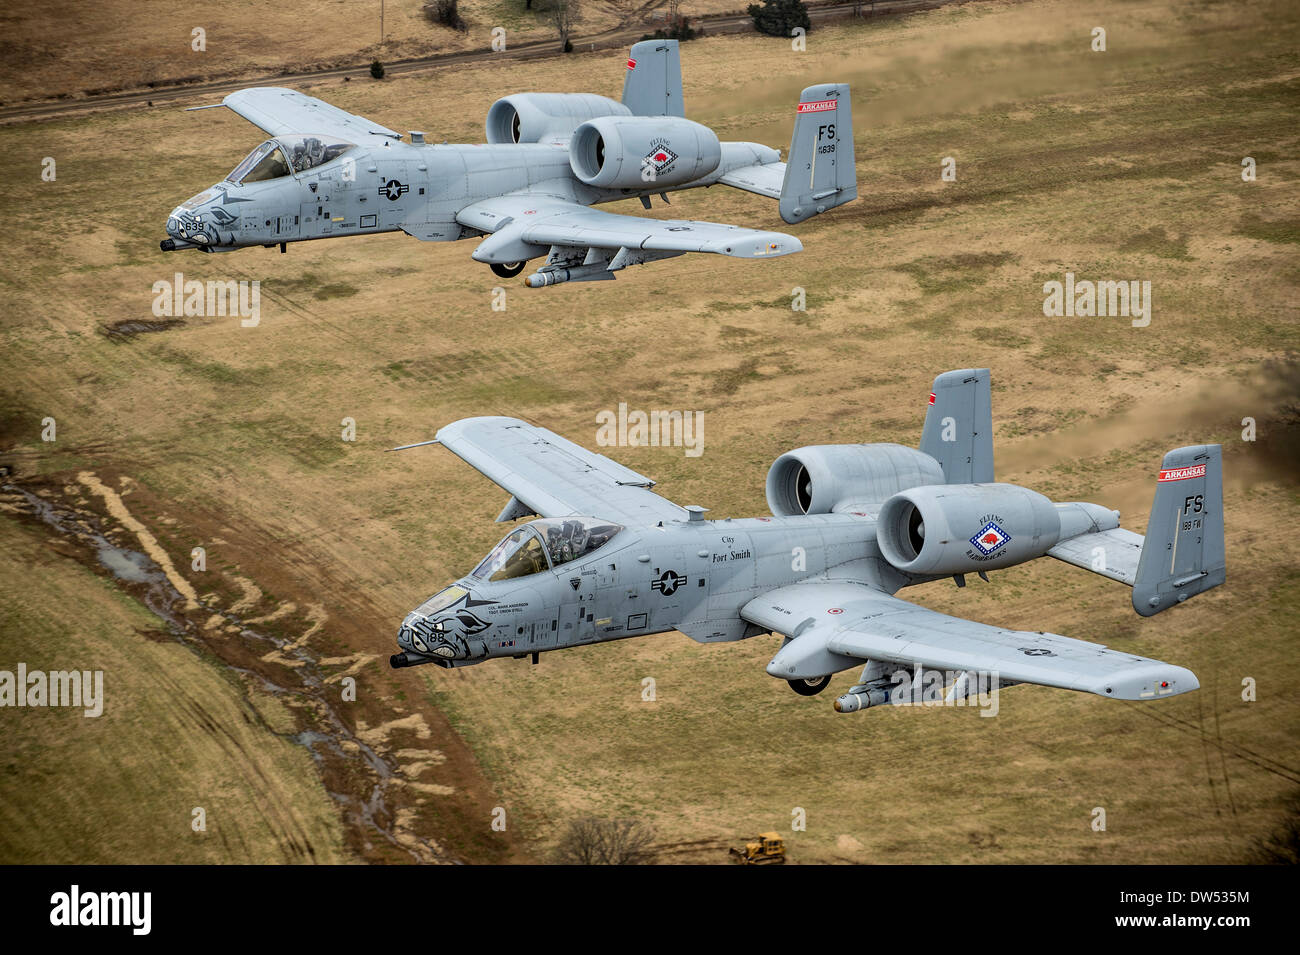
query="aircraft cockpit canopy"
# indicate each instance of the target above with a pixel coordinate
(285, 154)
(545, 544)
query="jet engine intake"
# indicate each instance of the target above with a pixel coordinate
(642, 152)
(838, 478)
(545, 117)
(965, 528)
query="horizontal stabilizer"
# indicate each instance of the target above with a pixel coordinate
(764, 180)
(1113, 553)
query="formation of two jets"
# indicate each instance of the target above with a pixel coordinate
(608, 558)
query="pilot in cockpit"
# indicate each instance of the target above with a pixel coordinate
(308, 153)
(567, 541)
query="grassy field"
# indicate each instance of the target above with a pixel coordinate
(176, 734)
(68, 48)
(1117, 165)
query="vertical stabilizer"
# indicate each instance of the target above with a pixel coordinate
(653, 83)
(1183, 552)
(819, 171)
(958, 430)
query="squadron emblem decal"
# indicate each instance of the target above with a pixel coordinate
(990, 538)
(660, 158)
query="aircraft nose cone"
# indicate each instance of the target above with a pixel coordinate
(423, 635)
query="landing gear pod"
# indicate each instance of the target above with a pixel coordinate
(507, 270)
(810, 686)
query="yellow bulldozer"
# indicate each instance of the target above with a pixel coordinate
(768, 849)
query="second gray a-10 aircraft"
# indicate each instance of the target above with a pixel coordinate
(851, 526)
(326, 173)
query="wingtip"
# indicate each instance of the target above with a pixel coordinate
(767, 245)
(1151, 682)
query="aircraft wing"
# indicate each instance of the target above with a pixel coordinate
(545, 221)
(553, 477)
(278, 111)
(841, 622)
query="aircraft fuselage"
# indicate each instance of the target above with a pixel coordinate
(398, 186)
(692, 576)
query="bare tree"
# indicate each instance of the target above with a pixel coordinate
(564, 13)
(592, 841)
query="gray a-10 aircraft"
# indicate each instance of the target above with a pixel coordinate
(852, 525)
(549, 156)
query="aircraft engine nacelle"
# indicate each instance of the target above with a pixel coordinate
(965, 528)
(641, 152)
(838, 478)
(546, 117)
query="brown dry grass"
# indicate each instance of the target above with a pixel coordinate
(69, 47)
(176, 733)
(1124, 164)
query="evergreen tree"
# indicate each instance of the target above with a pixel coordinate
(779, 17)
